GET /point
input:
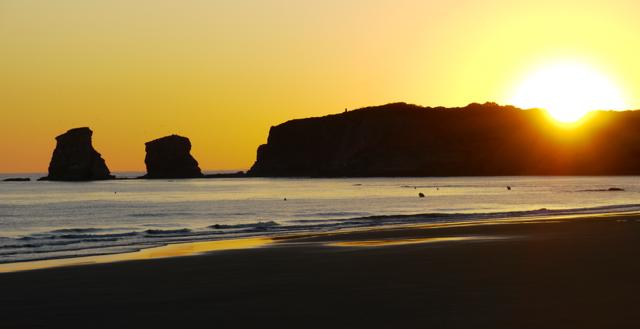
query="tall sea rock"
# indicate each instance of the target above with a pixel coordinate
(75, 159)
(170, 157)
(480, 139)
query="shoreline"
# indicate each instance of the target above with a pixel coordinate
(202, 247)
(551, 273)
(164, 251)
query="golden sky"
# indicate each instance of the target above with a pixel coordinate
(221, 72)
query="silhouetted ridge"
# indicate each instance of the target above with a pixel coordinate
(75, 159)
(170, 157)
(480, 139)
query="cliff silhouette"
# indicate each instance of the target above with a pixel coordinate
(480, 139)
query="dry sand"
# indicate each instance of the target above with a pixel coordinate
(576, 273)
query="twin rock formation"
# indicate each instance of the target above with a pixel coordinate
(75, 159)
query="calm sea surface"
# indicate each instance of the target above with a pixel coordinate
(41, 220)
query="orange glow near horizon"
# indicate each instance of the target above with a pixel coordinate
(223, 72)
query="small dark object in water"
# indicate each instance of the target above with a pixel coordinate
(421, 195)
(17, 179)
(611, 189)
(509, 188)
(285, 199)
(238, 174)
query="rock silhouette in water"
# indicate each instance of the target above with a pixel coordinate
(170, 157)
(75, 159)
(480, 140)
(17, 179)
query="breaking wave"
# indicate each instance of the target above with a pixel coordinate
(78, 241)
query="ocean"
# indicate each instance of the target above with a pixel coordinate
(45, 220)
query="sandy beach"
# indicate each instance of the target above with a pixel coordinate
(571, 273)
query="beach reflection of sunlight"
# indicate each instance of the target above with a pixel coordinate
(171, 250)
(395, 242)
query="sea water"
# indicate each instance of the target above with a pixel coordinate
(43, 220)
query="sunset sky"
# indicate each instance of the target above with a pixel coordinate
(221, 72)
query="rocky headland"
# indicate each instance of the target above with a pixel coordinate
(75, 159)
(170, 157)
(480, 139)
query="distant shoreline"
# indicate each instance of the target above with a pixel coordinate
(126, 175)
(35, 177)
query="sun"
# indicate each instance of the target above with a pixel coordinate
(568, 91)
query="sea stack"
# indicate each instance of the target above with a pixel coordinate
(170, 157)
(75, 159)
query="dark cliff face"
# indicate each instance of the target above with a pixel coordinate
(169, 157)
(480, 139)
(75, 159)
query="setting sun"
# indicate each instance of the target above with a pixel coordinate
(568, 91)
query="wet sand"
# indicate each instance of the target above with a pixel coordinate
(576, 273)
